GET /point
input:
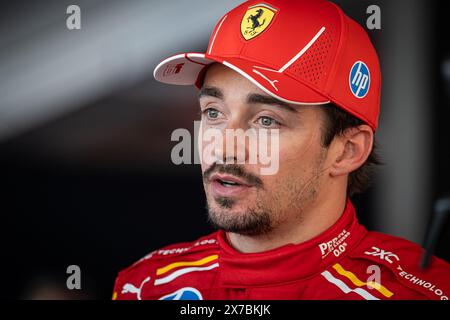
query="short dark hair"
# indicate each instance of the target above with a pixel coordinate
(337, 121)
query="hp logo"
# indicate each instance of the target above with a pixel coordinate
(359, 79)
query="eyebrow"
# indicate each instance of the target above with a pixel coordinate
(251, 98)
(263, 99)
(211, 92)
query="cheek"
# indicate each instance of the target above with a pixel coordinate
(201, 146)
(298, 152)
(295, 157)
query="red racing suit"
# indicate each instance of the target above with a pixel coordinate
(344, 262)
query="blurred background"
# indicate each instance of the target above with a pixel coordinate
(85, 167)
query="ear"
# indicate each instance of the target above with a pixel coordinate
(352, 148)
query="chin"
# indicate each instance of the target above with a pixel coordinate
(231, 205)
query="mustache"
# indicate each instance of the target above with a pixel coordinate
(235, 170)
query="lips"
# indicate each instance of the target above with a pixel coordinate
(227, 179)
(226, 185)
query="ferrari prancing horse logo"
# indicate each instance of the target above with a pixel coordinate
(256, 20)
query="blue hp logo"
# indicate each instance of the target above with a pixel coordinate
(359, 79)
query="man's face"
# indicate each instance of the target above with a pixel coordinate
(241, 199)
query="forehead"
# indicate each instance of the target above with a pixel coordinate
(221, 76)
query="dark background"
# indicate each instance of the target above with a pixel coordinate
(86, 174)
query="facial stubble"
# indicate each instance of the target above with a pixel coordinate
(269, 211)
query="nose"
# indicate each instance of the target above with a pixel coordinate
(234, 148)
(228, 144)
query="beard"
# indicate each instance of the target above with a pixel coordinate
(253, 222)
(270, 208)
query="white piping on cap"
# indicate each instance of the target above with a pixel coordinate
(215, 34)
(298, 55)
(205, 61)
(263, 5)
(241, 72)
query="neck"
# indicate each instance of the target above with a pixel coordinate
(314, 219)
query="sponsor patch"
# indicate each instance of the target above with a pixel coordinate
(421, 283)
(172, 69)
(359, 79)
(382, 254)
(337, 245)
(174, 270)
(256, 20)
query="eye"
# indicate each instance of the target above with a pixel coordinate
(212, 114)
(266, 121)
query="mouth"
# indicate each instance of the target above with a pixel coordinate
(228, 180)
(225, 185)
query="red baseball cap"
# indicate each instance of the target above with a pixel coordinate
(300, 52)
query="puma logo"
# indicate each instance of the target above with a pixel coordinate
(129, 288)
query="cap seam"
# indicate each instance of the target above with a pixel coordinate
(193, 61)
(214, 33)
(352, 111)
(339, 49)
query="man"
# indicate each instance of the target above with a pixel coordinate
(306, 71)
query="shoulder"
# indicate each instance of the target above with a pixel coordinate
(399, 262)
(174, 251)
(203, 251)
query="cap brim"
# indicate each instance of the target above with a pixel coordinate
(188, 69)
